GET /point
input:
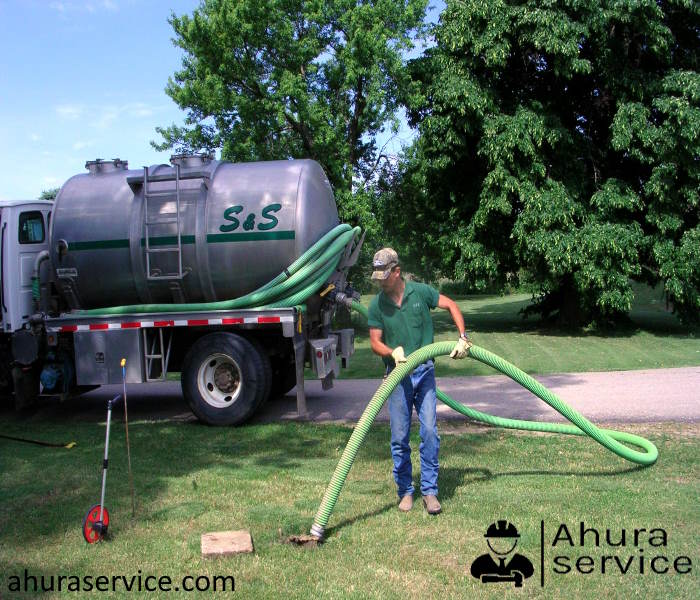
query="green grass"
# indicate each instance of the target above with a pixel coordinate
(269, 479)
(652, 339)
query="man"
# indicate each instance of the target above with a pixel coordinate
(399, 324)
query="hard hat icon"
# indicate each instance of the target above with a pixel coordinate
(502, 563)
(502, 529)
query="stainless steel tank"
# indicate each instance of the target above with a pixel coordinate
(198, 230)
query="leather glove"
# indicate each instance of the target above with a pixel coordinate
(461, 348)
(398, 355)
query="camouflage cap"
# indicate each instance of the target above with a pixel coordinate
(384, 260)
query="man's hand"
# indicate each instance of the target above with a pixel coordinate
(397, 355)
(461, 348)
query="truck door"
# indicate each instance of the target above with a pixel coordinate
(32, 240)
(24, 235)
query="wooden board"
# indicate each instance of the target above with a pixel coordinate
(224, 543)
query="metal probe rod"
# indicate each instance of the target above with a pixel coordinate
(128, 447)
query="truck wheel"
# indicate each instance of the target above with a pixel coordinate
(26, 384)
(6, 388)
(6, 385)
(267, 372)
(7, 399)
(223, 379)
(284, 378)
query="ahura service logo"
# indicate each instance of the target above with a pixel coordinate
(575, 550)
(501, 538)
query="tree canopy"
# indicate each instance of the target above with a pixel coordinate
(559, 145)
(280, 79)
(49, 194)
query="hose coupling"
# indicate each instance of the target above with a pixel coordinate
(317, 531)
(343, 298)
(352, 293)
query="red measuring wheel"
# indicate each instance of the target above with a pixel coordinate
(96, 520)
(94, 529)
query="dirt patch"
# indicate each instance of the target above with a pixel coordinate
(305, 541)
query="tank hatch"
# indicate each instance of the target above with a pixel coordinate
(99, 166)
(188, 161)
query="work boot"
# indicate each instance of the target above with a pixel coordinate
(406, 503)
(432, 505)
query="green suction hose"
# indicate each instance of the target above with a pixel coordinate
(608, 438)
(290, 288)
(304, 277)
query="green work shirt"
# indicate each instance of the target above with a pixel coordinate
(409, 325)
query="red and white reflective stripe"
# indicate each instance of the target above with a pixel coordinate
(173, 323)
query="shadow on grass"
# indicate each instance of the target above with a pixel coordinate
(504, 315)
(452, 478)
(359, 518)
(56, 486)
(501, 317)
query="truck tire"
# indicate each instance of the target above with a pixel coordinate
(267, 373)
(284, 378)
(6, 388)
(7, 399)
(26, 385)
(223, 379)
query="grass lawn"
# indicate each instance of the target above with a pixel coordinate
(653, 339)
(269, 479)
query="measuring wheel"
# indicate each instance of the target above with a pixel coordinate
(96, 520)
(95, 529)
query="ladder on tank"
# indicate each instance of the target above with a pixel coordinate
(163, 219)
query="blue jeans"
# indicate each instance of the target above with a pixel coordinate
(416, 389)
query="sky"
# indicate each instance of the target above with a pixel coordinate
(85, 79)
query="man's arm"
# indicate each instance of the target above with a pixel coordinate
(375, 340)
(461, 349)
(449, 304)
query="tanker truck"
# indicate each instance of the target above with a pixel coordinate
(167, 244)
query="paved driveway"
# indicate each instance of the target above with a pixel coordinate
(617, 396)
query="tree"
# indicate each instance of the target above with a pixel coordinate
(49, 194)
(280, 79)
(559, 144)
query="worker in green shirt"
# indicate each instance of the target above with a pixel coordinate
(399, 324)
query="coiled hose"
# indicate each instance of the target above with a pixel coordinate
(292, 287)
(609, 438)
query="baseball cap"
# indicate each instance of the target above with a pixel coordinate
(383, 262)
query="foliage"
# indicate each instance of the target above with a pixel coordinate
(559, 146)
(280, 79)
(49, 194)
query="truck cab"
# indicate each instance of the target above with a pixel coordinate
(24, 233)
